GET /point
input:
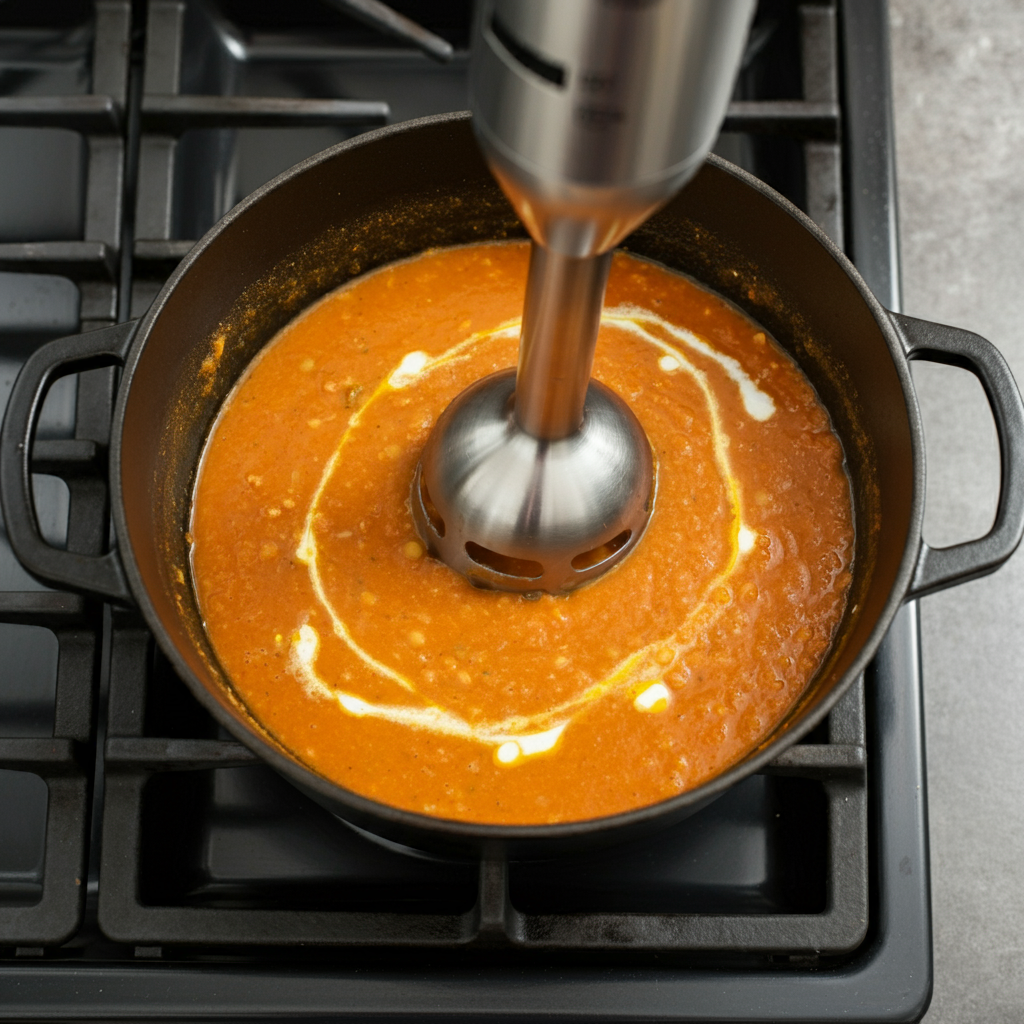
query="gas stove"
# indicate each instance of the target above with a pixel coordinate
(150, 866)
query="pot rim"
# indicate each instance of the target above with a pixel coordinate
(452, 829)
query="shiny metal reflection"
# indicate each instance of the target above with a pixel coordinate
(528, 500)
(591, 114)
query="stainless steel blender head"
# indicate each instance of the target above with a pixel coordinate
(591, 113)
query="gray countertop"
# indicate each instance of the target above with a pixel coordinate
(958, 75)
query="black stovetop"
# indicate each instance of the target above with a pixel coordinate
(149, 866)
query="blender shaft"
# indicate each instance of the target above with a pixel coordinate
(556, 350)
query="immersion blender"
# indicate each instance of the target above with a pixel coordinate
(591, 114)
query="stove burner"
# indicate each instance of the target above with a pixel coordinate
(134, 830)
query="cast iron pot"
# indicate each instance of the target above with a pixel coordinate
(397, 191)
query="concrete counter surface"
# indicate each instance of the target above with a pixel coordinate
(958, 77)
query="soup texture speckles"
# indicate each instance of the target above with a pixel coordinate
(390, 674)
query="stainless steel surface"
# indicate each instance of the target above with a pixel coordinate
(591, 114)
(958, 80)
(515, 512)
(556, 353)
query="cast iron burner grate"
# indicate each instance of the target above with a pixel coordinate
(779, 865)
(44, 907)
(803, 890)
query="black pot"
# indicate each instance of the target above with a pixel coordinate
(397, 191)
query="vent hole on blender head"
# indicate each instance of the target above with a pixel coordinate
(433, 516)
(524, 568)
(595, 556)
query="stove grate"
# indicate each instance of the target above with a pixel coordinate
(180, 96)
(165, 840)
(133, 759)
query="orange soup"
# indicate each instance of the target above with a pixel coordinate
(386, 672)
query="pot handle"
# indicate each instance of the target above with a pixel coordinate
(941, 567)
(97, 574)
